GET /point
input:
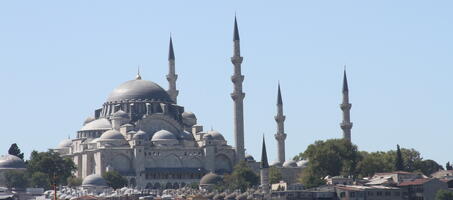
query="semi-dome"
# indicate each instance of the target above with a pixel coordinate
(66, 143)
(187, 136)
(139, 89)
(112, 135)
(11, 162)
(210, 179)
(163, 135)
(290, 163)
(216, 135)
(98, 124)
(141, 135)
(94, 180)
(120, 115)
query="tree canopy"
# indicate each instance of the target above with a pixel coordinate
(444, 195)
(339, 157)
(241, 178)
(15, 151)
(331, 157)
(275, 175)
(56, 168)
(16, 179)
(114, 179)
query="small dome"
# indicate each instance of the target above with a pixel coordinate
(94, 180)
(98, 124)
(112, 135)
(139, 89)
(187, 136)
(210, 179)
(163, 135)
(189, 119)
(275, 164)
(216, 135)
(142, 135)
(120, 115)
(66, 143)
(11, 162)
(88, 120)
(290, 163)
(189, 115)
(249, 157)
(302, 163)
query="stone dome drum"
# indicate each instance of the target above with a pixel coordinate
(139, 89)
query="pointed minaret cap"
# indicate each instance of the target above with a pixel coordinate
(279, 96)
(345, 81)
(264, 164)
(138, 77)
(236, 30)
(171, 53)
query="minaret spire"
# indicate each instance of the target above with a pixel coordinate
(264, 172)
(238, 96)
(346, 124)
(138, 77)
(280, 136)
(172, 76)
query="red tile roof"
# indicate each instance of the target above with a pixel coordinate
(420, 181)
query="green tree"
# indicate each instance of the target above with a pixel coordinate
(399, 163)
(448, 166)
(428, 167)
(57, 169)
(275, 175)
(374, 162)
(40, 180)
(15, 179)
(241, 178)
(15, 151)
(331, 157)
(114, 179)
(444, 195)
(74, 181)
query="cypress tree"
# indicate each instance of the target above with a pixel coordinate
(399, 163)
(15, 151)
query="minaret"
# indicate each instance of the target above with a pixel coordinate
(238, 96)
(172, 76)
(345, 106)
(264, 172)
(281, 135)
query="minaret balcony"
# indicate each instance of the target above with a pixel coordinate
(280, 136)
(280, 118)
(346, 125)
(237, 78)
(236, 59)
(237, 95)
(345, 106)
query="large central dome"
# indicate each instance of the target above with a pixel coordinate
(139, 89)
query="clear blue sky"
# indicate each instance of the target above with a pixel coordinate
(59, 60)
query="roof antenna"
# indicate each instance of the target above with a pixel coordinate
(138, 77)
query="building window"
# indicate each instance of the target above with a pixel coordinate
(379, 193)
(342, 194)
(396, 194)
(370, 193)
(352, 194)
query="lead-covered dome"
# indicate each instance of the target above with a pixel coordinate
(98, 124)
(11, 162)
(112, 135)
(94, 180)
(210, 179)
(66, 143)
(139, 89)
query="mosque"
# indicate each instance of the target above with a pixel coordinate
(142, 133)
